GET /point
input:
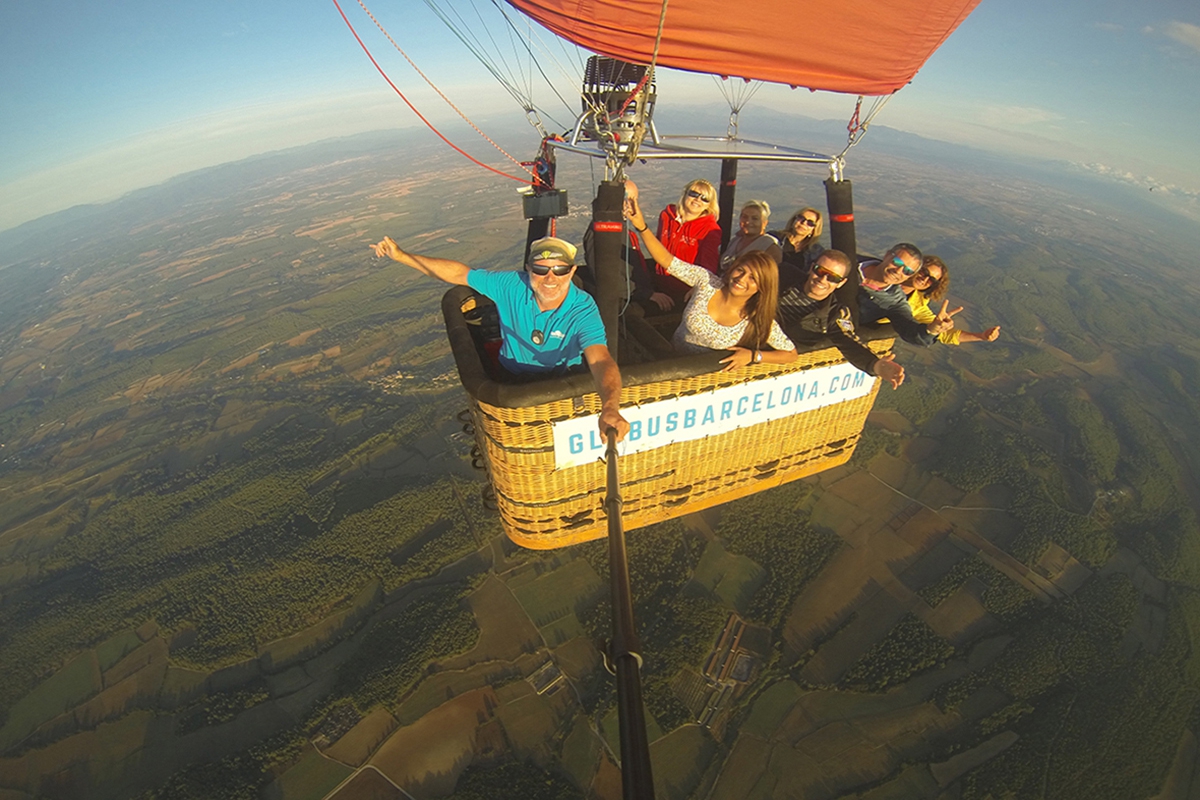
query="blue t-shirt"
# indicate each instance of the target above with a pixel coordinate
(566, 331)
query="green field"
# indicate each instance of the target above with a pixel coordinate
(731, 578)
(313, 777)
(237, 519)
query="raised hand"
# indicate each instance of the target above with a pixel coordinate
(990, 335)
(887, 368)
(387, 249)
(944, 320)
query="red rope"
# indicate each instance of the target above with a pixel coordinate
(414, 108)
(441, 94)
(633, 94)
(853, 126)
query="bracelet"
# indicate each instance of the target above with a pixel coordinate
(758, 356)
(641, 230)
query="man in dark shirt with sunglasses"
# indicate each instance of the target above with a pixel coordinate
(880, 296)
(547, 325)
(810, 313)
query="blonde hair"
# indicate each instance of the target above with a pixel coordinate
(700, 184)
(760, 307)
(761, 205)
(813, 235)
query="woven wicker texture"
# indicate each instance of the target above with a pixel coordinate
(541, 508)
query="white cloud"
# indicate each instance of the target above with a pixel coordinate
(1184, 33)
(1003, 116)
(1144, 181)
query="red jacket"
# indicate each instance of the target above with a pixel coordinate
(696, 241)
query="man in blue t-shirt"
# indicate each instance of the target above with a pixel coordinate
(546, 323)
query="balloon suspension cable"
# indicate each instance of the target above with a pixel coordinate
(424, 77)
(737, 96)
(537, 64)
(857, 127)
(526, 102)
(497, 64)
(476, 48)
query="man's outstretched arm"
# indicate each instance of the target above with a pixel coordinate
(607, 376)
(444, 269)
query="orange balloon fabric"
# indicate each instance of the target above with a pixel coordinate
(870, 47)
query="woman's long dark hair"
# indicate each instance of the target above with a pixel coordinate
(937, 289)
(760, 307)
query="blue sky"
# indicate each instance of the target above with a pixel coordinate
(99, 99)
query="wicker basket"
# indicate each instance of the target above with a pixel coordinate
(544, 507)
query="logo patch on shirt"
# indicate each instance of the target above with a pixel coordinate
(557, 335)
(846, 325)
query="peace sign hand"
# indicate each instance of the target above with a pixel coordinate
(944, 320)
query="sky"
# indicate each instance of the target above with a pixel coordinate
(99, 99)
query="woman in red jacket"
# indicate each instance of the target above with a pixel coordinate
(689, 230)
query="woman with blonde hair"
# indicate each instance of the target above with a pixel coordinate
(799, 238)
(751, 234)
(734, 311)
(689, 230)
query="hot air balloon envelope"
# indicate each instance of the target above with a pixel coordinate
(869, 47)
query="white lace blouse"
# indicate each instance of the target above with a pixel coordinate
(698, 331)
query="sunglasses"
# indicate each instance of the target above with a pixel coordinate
(828, 274)
(699, 196)
(905, 268)
(546, 269)
(806, 222)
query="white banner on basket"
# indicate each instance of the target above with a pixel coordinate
(682, 419)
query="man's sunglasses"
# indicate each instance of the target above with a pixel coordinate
(829, 275)
(546, 269)
(699, 196)
(899, 262)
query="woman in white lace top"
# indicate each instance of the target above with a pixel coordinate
(734, 311)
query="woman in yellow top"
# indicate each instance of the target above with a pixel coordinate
(930, 284)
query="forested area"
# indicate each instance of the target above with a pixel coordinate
(676, 623)
(678, 620)
(1092, 467)
(985, 454)
(242, 548)
(513, 780)
(196, 437)
(772, 530)
(911, 647)
(1093, 721)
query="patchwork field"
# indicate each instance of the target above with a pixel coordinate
(243, 552)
